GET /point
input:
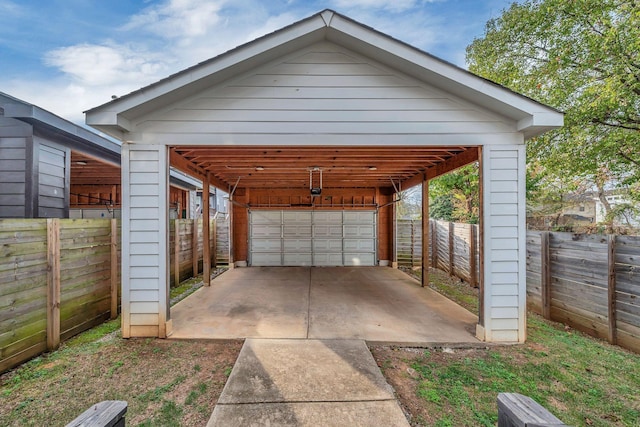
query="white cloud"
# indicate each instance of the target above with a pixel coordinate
(9, 8)
(392, 5)
(63, 98)
(177, 19)
(107, 64)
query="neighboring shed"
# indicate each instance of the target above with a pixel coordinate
(51, 168)
(314, 129)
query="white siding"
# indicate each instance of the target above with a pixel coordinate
(504, 274)
(144, 240)
(318, 91)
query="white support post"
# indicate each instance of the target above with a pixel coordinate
(145, 233)
(504, 237)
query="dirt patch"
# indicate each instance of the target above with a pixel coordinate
(165, 382)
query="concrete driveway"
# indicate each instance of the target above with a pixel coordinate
(376, 304)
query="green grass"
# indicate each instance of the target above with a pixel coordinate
(166, 383)
(582, 380)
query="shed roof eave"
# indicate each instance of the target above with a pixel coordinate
(83, 139)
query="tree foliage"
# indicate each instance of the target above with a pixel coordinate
(455, 195)
(581, 57)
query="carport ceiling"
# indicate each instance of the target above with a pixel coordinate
(342, 167)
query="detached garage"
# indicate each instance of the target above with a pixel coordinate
(313, 130)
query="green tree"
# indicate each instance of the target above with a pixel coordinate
(461, 189)
(441, 207)
(582, 57)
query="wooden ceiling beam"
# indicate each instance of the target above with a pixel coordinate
(184, 165)
(469, 156)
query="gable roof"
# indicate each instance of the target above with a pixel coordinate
(532, 117)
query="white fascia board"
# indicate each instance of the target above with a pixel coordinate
(540, 122)
(438, 72)
(108, 122)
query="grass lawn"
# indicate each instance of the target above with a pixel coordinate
(165, 382)
(581, 380)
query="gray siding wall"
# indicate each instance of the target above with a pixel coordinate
(13, 166)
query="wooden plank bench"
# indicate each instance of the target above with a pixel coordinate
(109, 413)
(516, 410)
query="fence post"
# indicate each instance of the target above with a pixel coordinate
(114, 269)
(413, 243)
(451, 247)
(214, 251)
(424, 231)
(545, 275)
(53, 283)
(176, 252)
(194, 248)
(473, 237)
(434, 244)
(611, 285)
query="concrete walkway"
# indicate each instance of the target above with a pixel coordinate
(376, 304)
(305, 361)
(288, 382)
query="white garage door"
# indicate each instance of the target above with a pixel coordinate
(317, 238)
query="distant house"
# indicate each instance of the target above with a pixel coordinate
(617, 199)
(584, 210)
(52, 168)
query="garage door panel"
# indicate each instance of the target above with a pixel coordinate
(358, 217)
(330, 218)
(266, 217)
(298, 259)
(296, 230)
(321, 231)
(359, 245)
(327, 245)
(294, 217)
(266, 245)
(297, 245)
(266, 259)
(327, 260)
(359, 259)
(265, 231)
(360, 231)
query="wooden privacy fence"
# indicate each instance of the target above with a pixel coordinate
(185, 254)
(590, 282)
(58, 277)
(456, 247)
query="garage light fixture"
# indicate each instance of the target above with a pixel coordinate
(373, 168)
(259, 168)
(315, 181)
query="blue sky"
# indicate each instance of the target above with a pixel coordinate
(71, 55)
